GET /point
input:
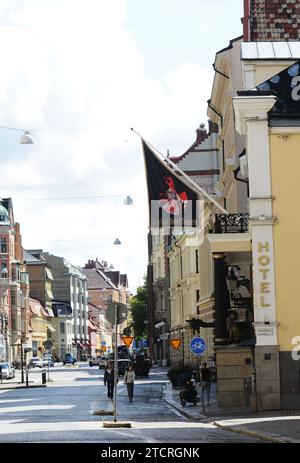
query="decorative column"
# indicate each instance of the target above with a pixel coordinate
(251, 113)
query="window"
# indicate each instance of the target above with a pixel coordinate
(62, 328)
(197, 300)
(3, 270)
(13, 297)
(197, 261)
(3, 245)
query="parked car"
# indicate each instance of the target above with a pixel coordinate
(94, 361)
(35, 362)
(7, 370)
(69, 359)
(47, 359)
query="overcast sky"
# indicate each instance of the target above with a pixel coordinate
(108, 65)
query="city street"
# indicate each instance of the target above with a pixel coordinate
(63, 412)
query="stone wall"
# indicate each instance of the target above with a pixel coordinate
(234, 370)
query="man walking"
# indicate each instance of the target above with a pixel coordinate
(129, 381)
(109, 380)
(205, 382)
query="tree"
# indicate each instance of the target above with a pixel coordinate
(138, 311)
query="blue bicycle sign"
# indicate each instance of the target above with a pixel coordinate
(197, 346)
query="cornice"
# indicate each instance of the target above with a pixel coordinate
(251, 108)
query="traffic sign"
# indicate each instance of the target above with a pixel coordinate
(197, 346)
(127, 331)
(175, 343)
(127, 340)
(48, 344)
(121, 312)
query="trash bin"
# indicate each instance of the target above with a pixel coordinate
(44, 379)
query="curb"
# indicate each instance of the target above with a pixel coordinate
(255, 434)
(174, 405)
(22, 387)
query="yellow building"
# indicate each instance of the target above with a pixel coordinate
(253, 246)
(38, 327)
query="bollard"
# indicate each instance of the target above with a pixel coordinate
(44, 379)
(26, 377)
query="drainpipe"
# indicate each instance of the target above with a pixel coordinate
(219, 72)
(235, 173)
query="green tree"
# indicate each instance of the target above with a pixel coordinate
(138, 311)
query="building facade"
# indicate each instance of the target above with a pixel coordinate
(70, 295)
(14, 286)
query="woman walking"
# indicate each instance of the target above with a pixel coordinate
(109, 380)
(129, 381)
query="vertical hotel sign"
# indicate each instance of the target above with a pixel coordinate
(264, 287)
(264, 262)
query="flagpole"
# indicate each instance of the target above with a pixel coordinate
(183, 174)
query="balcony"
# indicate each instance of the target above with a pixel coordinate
(231, 223)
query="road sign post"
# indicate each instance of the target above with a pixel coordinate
(116, 314)
(116, 364)
(198, 346)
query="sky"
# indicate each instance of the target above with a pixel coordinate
(79, 74)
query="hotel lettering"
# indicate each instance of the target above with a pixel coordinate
(264, 262)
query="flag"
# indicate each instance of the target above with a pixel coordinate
(286, 87)
(171, 200)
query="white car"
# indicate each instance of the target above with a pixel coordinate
(99, 361)
(35, 362)
(47, 360)
(7, 371)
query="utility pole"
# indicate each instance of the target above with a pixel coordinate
(116, 363)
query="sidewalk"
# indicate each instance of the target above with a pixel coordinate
(273, 426)
(6, 385)
(17, 384)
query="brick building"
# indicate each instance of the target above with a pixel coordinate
(270, 20)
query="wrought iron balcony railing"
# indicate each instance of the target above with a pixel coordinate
(231, 223)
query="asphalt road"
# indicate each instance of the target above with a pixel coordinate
(63, 412)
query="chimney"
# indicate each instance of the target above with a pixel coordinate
(246, 21)
(201, 133)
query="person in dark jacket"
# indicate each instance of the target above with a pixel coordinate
(109, 379)
(205, 382)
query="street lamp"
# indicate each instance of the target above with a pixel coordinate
(117, 241)
(26, 139)
(128, 201)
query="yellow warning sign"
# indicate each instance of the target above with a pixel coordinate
(128, 340)
(175, 343)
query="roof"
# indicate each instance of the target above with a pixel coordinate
(29, 257)
(114, 276)
(96, 279)
(270, 50)
(230, 44)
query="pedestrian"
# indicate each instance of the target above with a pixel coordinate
(205, 382)
(129, 378)
(109, 379)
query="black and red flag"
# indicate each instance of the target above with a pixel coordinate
(171, 200)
